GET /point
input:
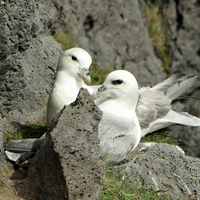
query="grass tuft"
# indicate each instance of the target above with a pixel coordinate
(66, 39)
(157, 34)
(115, 188)
(98, 74)
(26, 131)
(162, 136)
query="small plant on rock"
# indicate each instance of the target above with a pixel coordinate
(157, 33)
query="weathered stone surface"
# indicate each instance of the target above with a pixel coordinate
(6, 170)
(163, 168)
(182, 19)
(70, 160)
(1, 139)
(117, 36)
(26, 82)
(21, 21)
(28, 59)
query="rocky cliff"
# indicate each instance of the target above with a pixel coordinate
(181, 19)
(115, 33)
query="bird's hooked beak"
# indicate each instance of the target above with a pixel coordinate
(103, 87)
(101, 92)
(84, 74)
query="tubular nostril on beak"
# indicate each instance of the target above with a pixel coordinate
(101, 88)
(88, 73)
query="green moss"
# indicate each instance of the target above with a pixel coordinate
(33, 131)
(10, 135)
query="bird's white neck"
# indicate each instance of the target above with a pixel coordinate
(117, 105)
(66, 88)
(65, 80)
(117, 108)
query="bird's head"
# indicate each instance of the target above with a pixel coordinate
(76, 62)
(120, 86)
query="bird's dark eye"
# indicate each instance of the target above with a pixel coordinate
(74, 58)
(117, 82)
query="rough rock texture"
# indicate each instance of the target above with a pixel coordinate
(163, 168)
(26, 82)
(182, 19)
(1, 138)
(21, 21)
(117, 36)
(28, 59)
(70, 160)
(6, 172)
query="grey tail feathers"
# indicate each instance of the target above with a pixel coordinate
(176, 85)
(182, 118)
(191, 120)
(166, 84)
(181, 86)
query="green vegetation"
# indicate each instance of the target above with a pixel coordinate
(2, 183)
(27, 131)
(16, 135)
(98, 74)
(162, 136)
(66, 39)
(157, 34)
(115, 188)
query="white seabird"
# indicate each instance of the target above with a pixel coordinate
(154, 105)
(72, 73)
(119, 130)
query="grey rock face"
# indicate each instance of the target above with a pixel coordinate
(1, 138)
(70, 160)
(26, 82)
(117, 36)
(27, 59)
(21, 21)
(163, 168)
(182, 20)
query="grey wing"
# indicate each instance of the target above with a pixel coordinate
(152, 105)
